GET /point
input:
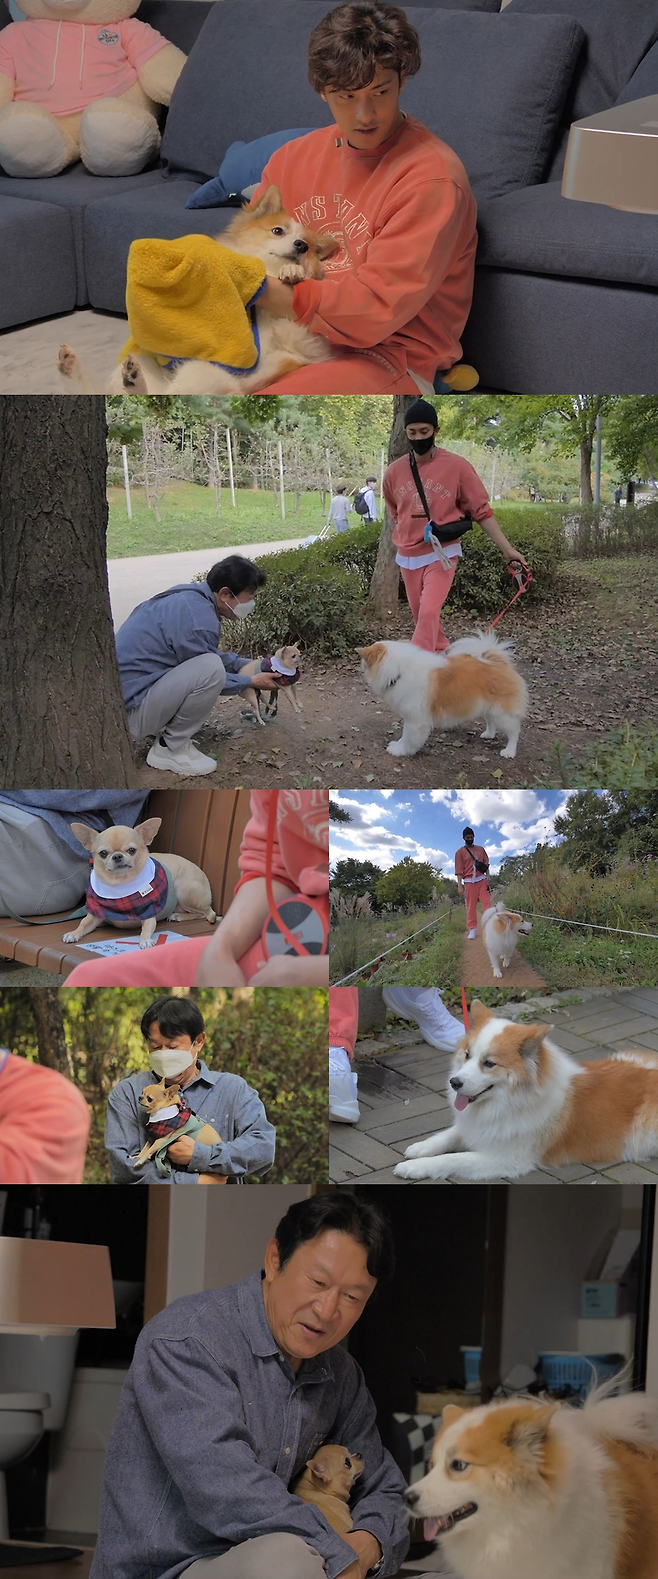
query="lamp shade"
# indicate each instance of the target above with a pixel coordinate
(46, 1286)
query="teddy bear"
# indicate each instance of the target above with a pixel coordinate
(80, 79)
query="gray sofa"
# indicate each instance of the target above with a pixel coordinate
(566, 293)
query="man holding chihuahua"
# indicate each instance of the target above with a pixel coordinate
(171, 669)
(174, 1032)
(229, 1395)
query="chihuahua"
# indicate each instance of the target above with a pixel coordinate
(284, 665)
(127, 887)
(168, 1111)
(327, 1481)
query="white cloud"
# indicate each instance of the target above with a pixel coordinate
(497, 806)
(386, 793)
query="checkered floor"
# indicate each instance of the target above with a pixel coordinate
(403, 1085)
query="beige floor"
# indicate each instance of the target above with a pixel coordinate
(28, 356)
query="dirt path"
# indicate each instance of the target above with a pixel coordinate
(588, 658)
(476, 969)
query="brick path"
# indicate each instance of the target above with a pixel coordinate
(403, 1083)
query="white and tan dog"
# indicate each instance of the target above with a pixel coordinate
(125, 877)
(501, 929)
(532, 1490)
(290, 253)
(475, 678)
(520, 1102)
(284, 662)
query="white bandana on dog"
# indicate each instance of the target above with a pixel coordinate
(134, 884)
(278, 667)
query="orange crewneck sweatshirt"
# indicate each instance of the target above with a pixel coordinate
(406, 216)
(452, 489)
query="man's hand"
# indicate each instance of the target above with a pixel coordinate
(277, 299)
(181, 1150)
(514, 557)
(368, 1552)
(263, 682)
(292, 970)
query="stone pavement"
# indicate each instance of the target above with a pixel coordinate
(403, 1085)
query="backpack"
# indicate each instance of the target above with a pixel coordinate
(360, 502)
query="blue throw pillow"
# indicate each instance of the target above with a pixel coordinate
(242, 166)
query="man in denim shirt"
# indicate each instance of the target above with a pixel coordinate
(230, 1393)
(174, 1032)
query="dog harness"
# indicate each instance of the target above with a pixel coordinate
(155, 899)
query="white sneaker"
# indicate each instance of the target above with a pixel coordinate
(186, 762)
(472, 934)
(343, 1105)
(424, 1005)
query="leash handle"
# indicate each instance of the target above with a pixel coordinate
(524, 578)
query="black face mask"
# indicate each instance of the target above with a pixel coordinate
(421, 446)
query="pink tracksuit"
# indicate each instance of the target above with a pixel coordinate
(474, 891)
(343, 1018)
(452, 489)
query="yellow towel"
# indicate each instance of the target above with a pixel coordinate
(188, 298)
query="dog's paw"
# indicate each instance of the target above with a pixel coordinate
(70, 937)
(132, 376)
(498, 974)
(67, 362)
(424, 1168)
(488, 734)
(509, 751)
(396, 748)
(147, 942)
(291, 273)
(420, 1148)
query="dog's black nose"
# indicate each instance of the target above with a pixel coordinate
(410, 1497)
(456, 1083)
(300, 246)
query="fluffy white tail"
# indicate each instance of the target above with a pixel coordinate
(482, 644)
(631, 1417)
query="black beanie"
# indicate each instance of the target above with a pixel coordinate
(465, 831)
(421, 411)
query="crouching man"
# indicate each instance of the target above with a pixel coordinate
(230, 1393)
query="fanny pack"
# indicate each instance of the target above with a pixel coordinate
(478, 866)
(453, 530)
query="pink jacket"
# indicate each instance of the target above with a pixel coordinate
(44, 1124)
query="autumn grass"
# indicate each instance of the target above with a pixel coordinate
(437, 956)
(626, 898)
(190, 520)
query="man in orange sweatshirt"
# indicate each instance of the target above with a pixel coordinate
(453, 491)
(396, 296)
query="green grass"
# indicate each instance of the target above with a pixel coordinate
(190, 520)
(590, 959)
(437, 963)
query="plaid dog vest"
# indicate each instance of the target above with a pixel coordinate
(136, 906)
(157, 1128)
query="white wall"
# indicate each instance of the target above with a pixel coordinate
(218, 1236)
(552, 1234)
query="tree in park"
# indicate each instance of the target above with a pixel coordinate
(62, 719)
(338, 813)
(632, 435)
(383, 594)
(355, 877)
(598, 827)
(566, 422)
(408, 883)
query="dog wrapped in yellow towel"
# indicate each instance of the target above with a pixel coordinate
(193, 299)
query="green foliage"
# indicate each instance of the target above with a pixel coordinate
(432, 959)
(409, 882)
(355, 551)
(626, 759)
(356, 877)
(304, 600)
(598, 826)
(482, 584)
(338, 813)
(604, 531)
(276, 1038)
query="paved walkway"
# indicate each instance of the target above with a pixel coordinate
(477, 972)
(134, 580)
(403, 1085)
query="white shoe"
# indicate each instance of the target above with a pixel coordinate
(343, 1105)
(187, 761)
(438, 1027)
(472, 934)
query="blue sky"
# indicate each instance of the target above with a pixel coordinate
(427, 824)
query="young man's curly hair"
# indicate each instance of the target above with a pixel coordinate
(349, 45)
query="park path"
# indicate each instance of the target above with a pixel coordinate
(477, 972)
(134, 580)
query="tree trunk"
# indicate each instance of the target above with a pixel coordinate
(49, 1022)
(62, 718)
(383, 594)
(586, 448)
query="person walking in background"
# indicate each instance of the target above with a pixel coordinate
(472, 873)
(618, 495)
(339, 510)
(365, 501)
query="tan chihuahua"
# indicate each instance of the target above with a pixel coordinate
(327, 1481)
(159, 1097)
(119, 856)
(289, 659)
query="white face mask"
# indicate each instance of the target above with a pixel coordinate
(171, 1061)
(243, 610)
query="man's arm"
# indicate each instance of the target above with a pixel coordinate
(252, 1151)
(210, 1453)
(237, 681)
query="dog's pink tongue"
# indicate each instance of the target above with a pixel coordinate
(430, 1527)
(461, 1101)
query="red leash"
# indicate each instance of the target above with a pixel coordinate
(524, 578)
(464, 1010)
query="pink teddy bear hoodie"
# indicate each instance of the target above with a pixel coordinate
(65, 66)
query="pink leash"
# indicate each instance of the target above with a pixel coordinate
(524, 579)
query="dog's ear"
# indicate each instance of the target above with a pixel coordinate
(270, 203)
(479, 1013)
(320, 1468)
(83, 834)
(528, 1431)
(325, 246)
(148, 830)
(532, 1040)
(372, 655)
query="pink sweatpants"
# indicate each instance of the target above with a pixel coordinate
(427, 590)
(474, 892)
(343, 1018)
(350, 374)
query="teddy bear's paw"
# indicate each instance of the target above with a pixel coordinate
(291, 273)
(67, 362)
(132, 376)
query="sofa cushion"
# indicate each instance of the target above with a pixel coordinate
(491, 86)
(180, 21)
(28, 232)
(540, 232)
(644, 81)
(618, 35)
(111, 225)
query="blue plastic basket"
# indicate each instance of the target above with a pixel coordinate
(582, 1372)
(472, 1359)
